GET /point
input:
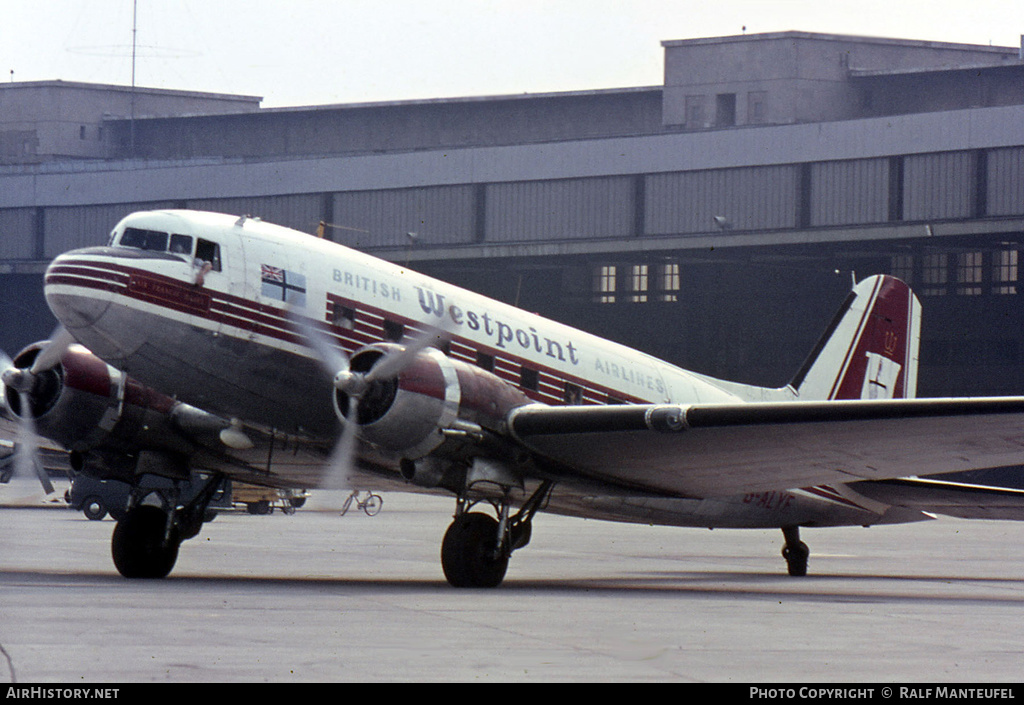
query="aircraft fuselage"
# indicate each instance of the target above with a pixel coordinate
(201, 306)
(221, 338)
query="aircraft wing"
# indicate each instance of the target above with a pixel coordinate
(720, 450)
(957, 499)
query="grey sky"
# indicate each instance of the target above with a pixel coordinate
(304, 52)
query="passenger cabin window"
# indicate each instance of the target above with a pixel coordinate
(393, 331)
(485, 361)
(529, 378)
(573, 394)
(344, 317)
(207, 251)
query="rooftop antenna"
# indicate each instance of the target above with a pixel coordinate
(135, 9)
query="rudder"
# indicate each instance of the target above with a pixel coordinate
(870, 350)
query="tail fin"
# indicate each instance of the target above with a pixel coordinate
(870, 349)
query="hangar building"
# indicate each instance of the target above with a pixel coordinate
(715, 220)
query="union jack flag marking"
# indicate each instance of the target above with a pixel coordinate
(273, 275)
(282, 285)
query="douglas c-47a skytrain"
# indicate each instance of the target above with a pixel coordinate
(223, 344)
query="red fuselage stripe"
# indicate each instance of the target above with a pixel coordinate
(252, 317)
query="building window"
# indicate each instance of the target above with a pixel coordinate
(867, 102)
(1004, 272)
(969, 272)
(605, 284)
(902, 267)
(757, 107)
(935, 274)
(639, 282)
(725, 110)
(668, 282)
(695, 119)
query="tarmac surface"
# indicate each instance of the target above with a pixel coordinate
(319, 597)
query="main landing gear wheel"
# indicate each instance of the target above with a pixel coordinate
(470, 553)
(795, 552)
(141, 547)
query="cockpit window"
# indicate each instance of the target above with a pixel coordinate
(144, 239)
(181, 245)
(208, 252)
(155, 241)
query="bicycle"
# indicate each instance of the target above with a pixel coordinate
(371, 505)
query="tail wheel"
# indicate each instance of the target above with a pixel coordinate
(93, 508)
(796, 559)
(469, 554)
(139, 547)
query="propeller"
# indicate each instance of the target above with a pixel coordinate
(26, 441)
(355, 384)
(50, 355)
(23, 381)
(26, 450)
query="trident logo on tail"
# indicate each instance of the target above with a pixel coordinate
(870, 350)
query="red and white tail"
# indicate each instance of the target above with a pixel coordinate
(870, 350)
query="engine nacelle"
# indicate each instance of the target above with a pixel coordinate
(73, 403)
(85, 405)
(433, 398)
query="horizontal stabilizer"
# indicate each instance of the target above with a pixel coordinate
(956, 499)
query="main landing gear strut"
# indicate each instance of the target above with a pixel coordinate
(146, 540)
(795, 551)
(476, 547)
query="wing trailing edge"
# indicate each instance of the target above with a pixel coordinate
(723, 449)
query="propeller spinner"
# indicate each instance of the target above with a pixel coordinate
(29, 384)
(358, 387)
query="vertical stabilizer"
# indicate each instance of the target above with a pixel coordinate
(870, 350)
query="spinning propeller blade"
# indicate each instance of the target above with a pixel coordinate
(50, 355)
(23, 382)
(26, 451)
(395, 362)
(355, 384)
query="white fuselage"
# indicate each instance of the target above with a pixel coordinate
(143, 310)
(210, 325)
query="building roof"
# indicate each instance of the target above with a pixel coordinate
(108, 88)
(860, 39)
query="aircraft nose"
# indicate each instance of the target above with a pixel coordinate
(81, 288)
(75, 293)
